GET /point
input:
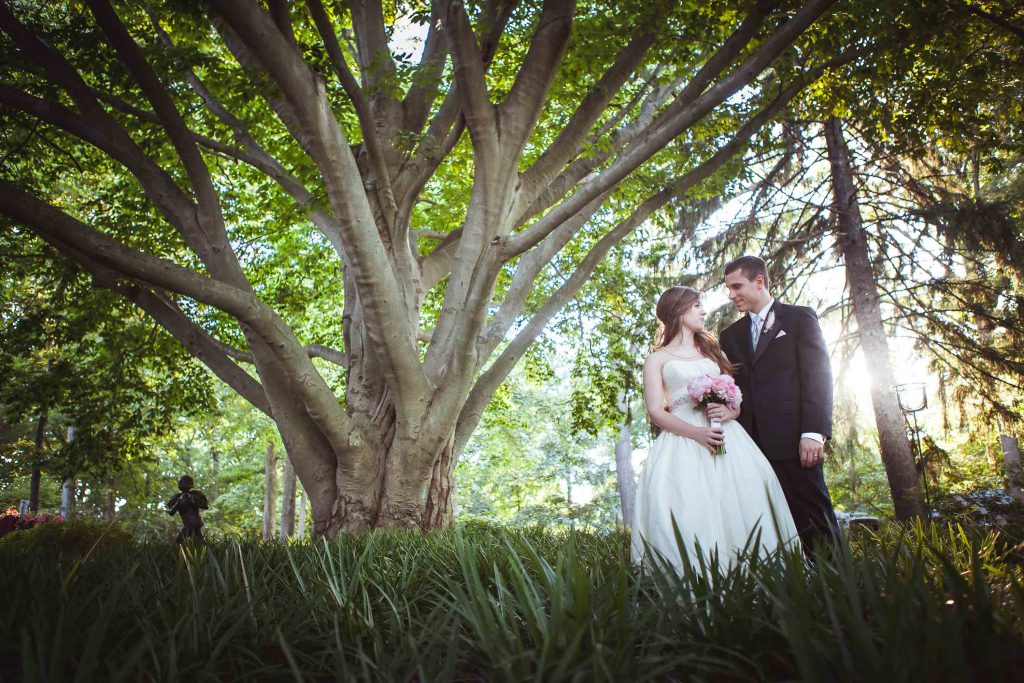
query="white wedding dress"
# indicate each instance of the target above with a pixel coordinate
(717, 501)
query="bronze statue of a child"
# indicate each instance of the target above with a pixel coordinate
(188, 503)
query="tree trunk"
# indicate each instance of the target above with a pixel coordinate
(1014, 473)
(624, 473)
(37, 474)
(269, 492)
(111, 498)
(67, 489)
(944, 401)
(892, 436)
(67, 498)
(403, 497)
(288, 501)
(215, 484)
(302, 514)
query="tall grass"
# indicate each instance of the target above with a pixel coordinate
(491, 604)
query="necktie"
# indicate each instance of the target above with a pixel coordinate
(755, 328)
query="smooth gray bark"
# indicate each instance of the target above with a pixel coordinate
(624, 473)
(1014, 472)
(67, 489)
(301, 532)
(269, 492)
(288, 501)
(67, 498)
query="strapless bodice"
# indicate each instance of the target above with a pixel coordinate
(677, 375)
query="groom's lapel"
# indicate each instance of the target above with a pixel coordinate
(767, 335)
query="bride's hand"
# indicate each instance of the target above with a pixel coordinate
(717, 411)
(710, 437)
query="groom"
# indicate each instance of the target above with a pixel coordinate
(782, 368)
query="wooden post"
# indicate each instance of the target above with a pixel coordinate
(269, 492)
(288, 500)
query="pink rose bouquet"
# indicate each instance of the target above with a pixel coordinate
(709, 389)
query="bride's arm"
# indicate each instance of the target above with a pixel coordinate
(654, 397)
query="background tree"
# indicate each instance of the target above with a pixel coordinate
(78, 357)
(935, 179)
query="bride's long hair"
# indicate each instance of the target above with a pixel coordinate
(672, 304)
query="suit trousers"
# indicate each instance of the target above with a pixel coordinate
(809, 502)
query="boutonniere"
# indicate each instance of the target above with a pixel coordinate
(769, 322)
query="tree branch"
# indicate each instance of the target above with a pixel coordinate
(993, 18)
(426, 81)
(274, 341)
(387, 315)
(666, 127)
(711, 69)
(197, 342)
(441, 136)
(569, 140)
(169, 316)
(480, 115)
(60, 229)
(529, 267)
(525, 101)
(221, 257)
(489, 381)
(95, 126)
(312, 350)
(255, 155)
(367, 122)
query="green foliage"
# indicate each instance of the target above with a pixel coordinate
(86, 359)
(70, 539)
(223, 450)
(484, 603)
(527, 465)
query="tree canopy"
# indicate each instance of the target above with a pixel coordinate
(360, 245)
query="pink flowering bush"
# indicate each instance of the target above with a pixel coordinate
(714, 389)
(11, 520)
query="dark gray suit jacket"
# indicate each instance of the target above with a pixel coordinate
(786, 382)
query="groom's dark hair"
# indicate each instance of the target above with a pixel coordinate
(750, 266)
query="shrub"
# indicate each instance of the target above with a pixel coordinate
(12, 520)
(72, 537)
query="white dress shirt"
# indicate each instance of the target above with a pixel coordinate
(756, 324)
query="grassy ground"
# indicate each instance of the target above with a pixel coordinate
(487, 604)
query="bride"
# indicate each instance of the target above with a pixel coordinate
(719, 503)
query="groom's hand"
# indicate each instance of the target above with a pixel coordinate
(811, 452)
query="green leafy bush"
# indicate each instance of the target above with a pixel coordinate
(71, 537)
